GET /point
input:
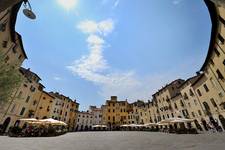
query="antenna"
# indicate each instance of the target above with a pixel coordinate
(27, 11)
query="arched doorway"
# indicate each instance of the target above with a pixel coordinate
(212, 120)
(17, 123)
(198, 125)
(6, 124)
(77, 128)
(204, 124)
(222, 120)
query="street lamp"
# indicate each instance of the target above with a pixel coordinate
(27, 11)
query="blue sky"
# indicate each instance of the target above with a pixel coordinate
(92, 49)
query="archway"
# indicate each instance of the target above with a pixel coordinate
(205, 125)
(198, 126)
(222, 120)
(77, 128)
(6, 124)
(17, 123)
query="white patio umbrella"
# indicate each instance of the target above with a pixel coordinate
(150, 124)
(28, 119)
(99, 126)
(181, 120)
(52, 121)
(125, 125)
(96, 126)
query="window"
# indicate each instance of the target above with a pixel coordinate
(185, 96)
(222, 20)
(168, 116)
(35, 102)
(193, 114)
(217, 52)
(14, 49)
(109, 118)
(207, 108)
(108, 110)
(32, 89)
(206, 88)
(20, 94)
(13, 108)
(181, 103)
(175, 105)
(189, 104)
(28, 98)
(22, 111)
(221, 39)
(3, 27)
(20, 57)
(191, 92)
(6, 59)
(199, 92)
(220, 76)
(213, 102)
(224, 62)
(195, 102)
(113, 110)
(199, 112)
(211, 62)
(172, 115)
(4, 44)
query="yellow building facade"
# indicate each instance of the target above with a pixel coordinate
(23, 101)
(115, 113)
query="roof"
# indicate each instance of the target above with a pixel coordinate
(199, 78)
(21, 44)
(63, 97)
(48, 94)
(213, 15)
(28, 72)
(168, 85)
(191, 80)
(178, 94)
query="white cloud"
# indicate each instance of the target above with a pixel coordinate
(67, 4)
(106, 26)
(176, 2)
(94, 68)
(57, 78)
(116, 3)
(91, 27)
(111, 3)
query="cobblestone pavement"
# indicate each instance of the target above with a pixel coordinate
(117, 141)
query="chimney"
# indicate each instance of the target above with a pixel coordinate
(114, 98)
(198, 73)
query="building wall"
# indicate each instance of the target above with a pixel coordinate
(11, 46)
(84, 121)
(44, 107)
(97, 115)
(23, 100)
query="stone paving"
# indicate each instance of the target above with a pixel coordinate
(117, 141)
